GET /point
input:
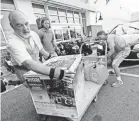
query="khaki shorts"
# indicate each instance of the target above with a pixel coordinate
(120, 56)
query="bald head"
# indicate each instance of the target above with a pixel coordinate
(19, 23)
(14, 15)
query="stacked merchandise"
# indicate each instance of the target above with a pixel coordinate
(57, 97)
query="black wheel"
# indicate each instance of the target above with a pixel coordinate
(105, 82)
(95, 98)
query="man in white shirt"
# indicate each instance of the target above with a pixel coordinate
(24, 47)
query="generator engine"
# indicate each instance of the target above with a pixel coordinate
(71, 48)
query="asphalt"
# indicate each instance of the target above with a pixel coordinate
(113, 104)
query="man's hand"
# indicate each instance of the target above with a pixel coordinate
(57, 50)
(45, 54)
(68, 76)
(47, 57)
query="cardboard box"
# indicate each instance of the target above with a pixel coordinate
(57, 97)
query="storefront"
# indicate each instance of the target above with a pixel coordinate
(69, 19)
(66, 22)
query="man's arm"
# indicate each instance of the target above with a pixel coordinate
(45, 70)
(111, 51)
(38, 37)
(22, 57)
(54, 43)
(111, 45)
(36, 66)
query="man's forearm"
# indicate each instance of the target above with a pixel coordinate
(37, 67)
(54, 43)
(110, 53)
(40, 68)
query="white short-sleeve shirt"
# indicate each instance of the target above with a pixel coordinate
(17, 47)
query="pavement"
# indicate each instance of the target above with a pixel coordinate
(113, 104)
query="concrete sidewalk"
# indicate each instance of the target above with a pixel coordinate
(113, 104)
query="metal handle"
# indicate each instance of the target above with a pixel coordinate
(93, 42)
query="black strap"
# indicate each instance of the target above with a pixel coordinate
(52, 70)
(61, 74)
(49, 56)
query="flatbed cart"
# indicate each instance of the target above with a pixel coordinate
(68, 99)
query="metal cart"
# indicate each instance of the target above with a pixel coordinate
(68, 99)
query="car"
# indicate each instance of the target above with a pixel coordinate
(128, 30)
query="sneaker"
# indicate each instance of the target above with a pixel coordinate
(117, 83)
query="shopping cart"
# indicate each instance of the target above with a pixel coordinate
(69, 99)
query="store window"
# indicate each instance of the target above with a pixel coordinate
(38, 10)
(54, 19)
(53, 11)
(63, 19)
(58, 35)
(76, 14)
(62, 15)
(53, 15)
(78, 33)
(69, 13)
(72, 33)
(67, 20)
(66, 34)
(7, 4)
(39, 15)
(70, 16)
(62, 12)
(84, 24)
(76, 17)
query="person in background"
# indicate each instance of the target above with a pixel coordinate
(119, 49)
(47, 37)
(24, 47)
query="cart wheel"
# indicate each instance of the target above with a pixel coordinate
(105, 82)
(95, 99)
(43, 117)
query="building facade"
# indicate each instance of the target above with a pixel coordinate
(69, 18)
